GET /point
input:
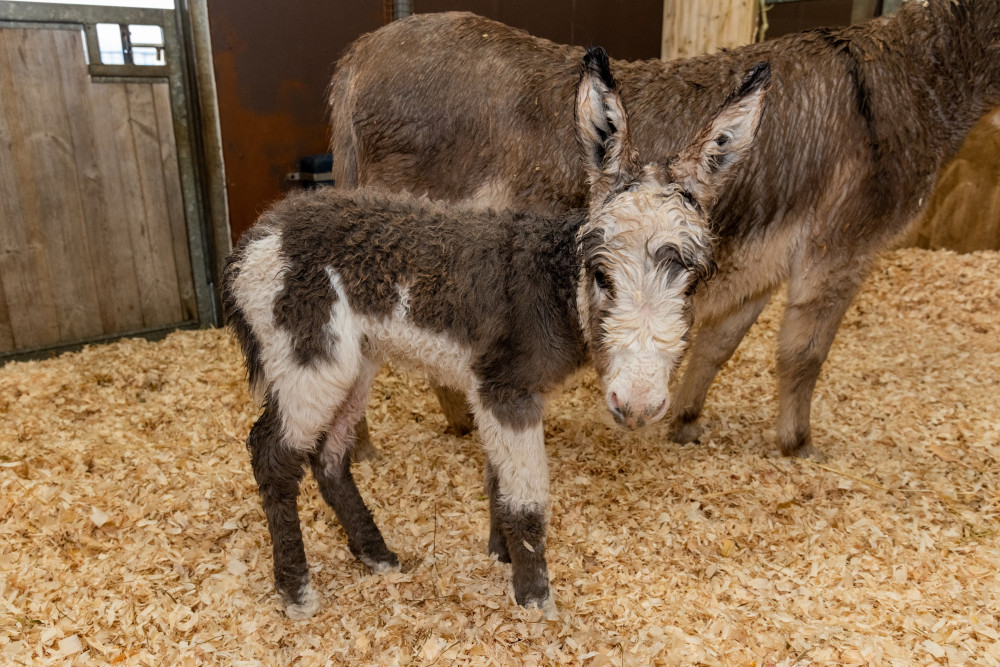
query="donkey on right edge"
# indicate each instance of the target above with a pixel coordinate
(858, 123)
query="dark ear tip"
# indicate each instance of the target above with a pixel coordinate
(758, 78)
(596, 61)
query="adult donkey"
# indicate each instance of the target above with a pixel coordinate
(859, 121)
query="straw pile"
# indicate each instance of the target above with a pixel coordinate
(130, 531)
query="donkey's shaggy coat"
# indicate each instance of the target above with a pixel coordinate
(859, 121)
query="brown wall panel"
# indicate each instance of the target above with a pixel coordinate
(789, 17)
(628, 29)
(273, 62)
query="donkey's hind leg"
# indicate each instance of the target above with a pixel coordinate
(278, 470)
(714, 344)
(456, 409)
(331, 466)
(363, 449)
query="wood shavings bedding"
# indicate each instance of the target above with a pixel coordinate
(130, 530)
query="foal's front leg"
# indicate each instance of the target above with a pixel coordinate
(518, 485)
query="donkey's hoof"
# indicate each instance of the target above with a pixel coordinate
(388, 563)
(546, 604)
(687, 432)
(498, 548)
(803, 448)
(459, 425)
(307, 605)
(807, 451)
(365, 451)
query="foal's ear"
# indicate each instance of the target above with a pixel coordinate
(703, 167)
(602, 127)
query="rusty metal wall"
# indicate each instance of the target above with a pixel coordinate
(628, 29)
(273, 61)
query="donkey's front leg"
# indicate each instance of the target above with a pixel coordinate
(498, 539)
(519, 497)
(817, 301)
(278, 470)
(714, 344)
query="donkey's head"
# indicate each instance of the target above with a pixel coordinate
(646, 245)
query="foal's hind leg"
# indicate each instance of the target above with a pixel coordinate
(278, 470)
(819, 293)
(331, 466)
(714, 344)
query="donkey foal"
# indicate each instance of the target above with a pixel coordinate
(501, 307)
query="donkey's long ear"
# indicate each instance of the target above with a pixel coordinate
(602, 127)
(703, 167)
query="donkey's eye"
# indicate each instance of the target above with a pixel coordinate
(690, 200)
(602, 280)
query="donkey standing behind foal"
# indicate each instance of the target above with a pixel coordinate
(499, 306)
(859, 121)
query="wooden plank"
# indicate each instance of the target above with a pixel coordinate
(693, 28)
(154, 225)
(10, 205)
(106, 229)
(23, 263)
(53, 184)
(6, 333)
(123, 192)
(862, 10)
(175, 199)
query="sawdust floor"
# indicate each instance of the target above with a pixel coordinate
(130, 530)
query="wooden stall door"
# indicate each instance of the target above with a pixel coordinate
(93, 239)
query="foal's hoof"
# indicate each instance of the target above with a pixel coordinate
(387, 563)
(546, 604)
(686, 432)
(307, 605)
(498, 548)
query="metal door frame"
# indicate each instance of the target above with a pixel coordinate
(177, 73)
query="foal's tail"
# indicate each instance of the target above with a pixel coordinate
(236, 319)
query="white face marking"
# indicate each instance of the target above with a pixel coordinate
(641, 339)
(518, 459)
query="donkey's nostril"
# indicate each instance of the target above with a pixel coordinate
(658, 413)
